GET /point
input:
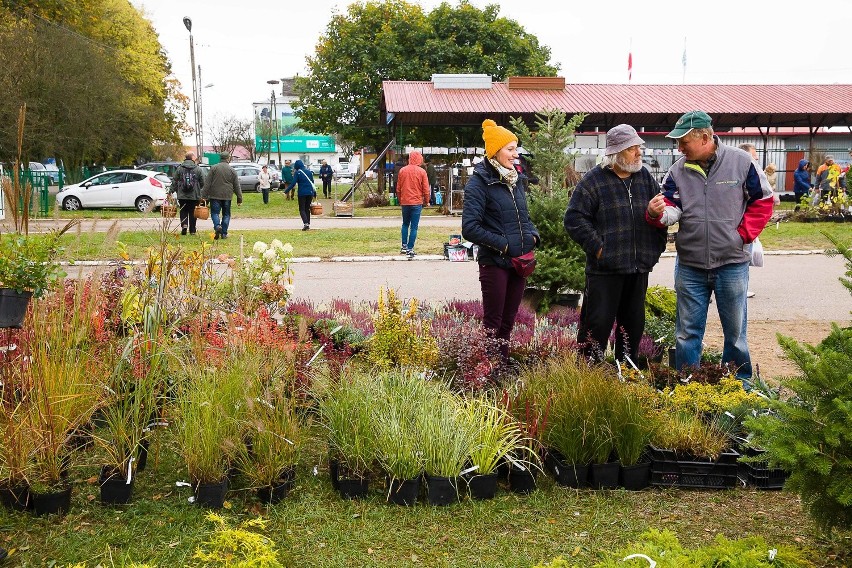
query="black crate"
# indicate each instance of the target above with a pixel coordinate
(759, 474)
(669, 470)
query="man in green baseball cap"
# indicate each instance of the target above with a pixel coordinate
(721, 203)
(685, 124)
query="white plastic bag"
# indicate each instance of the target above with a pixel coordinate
(756, 254)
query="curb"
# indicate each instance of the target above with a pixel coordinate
(390, 258)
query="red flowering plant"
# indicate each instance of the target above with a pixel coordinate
(467, 351)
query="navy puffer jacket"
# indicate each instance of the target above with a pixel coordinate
(496, 217)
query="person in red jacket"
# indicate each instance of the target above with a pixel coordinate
(412, 188)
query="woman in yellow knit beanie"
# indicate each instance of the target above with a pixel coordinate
(495, 217)
(496, 137)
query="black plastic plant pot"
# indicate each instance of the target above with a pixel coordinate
(275, 493)
(605, 475)
(442, 491)
(51, 502)
(521, 481)
(635, 477)
(566, 474)
(142, 454)
(403, 491)
(13, 307)
(334, 472)
(353, 487)
(482, 487)
(16, 497)
(114, 487)
(211, 495)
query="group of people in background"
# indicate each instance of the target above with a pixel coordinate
(619, 214)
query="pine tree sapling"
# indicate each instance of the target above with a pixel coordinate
(810, 434)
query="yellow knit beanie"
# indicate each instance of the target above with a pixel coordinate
(495, 137)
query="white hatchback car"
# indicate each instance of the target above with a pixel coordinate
(143, 190)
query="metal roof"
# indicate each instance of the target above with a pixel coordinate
(418, 103)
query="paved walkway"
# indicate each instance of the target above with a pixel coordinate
(247, 224)
(792, 284)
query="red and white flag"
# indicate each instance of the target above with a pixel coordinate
(630, 61)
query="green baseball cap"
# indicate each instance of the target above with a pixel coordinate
(692, 119)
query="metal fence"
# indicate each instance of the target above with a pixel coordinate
(785, 153)
(38, 185)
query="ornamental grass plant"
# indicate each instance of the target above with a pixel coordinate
(347, 412)
(275, 435)
(58, 381)
(447, 437)
(402, 395)
(689, 435)
(211, 418)
(581, 399)
(496, 435)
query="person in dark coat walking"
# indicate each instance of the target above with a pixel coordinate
(187, 184)
(606, 217)
(495, 217)
(219, 188)
(306, 193)
(326, 174)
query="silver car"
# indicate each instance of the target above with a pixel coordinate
(249, 173)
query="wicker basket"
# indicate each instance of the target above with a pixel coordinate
(202, 211)
(316, 208)
(169, 209)
(343, 208)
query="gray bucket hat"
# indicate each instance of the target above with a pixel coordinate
(620, 138)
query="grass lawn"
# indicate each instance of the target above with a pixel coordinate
(323, 243)
(382, 241)
(252, 206)
(314, 527)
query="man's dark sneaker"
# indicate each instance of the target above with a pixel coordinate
(218, 232)
(403, 250)
(183, 231)
(411, 254)
(224, 236)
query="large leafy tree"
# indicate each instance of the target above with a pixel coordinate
(395, 40)
(94, 78)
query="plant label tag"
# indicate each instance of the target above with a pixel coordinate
(729, 415)
(182, 484)
(632, 364)
(652, 563)
(469, 470)
(130, 470)
(517, 464)
(308, 364)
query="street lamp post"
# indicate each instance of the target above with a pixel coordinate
(201, 113)
(198, 137)
(274, 82)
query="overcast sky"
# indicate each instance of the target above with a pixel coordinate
(241, 45)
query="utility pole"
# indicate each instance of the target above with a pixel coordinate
(274, 82)
(198, 139)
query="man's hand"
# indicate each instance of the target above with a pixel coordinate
(656, 206)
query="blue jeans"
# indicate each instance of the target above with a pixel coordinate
(729, 284)
(410, 217)
(223, 207)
